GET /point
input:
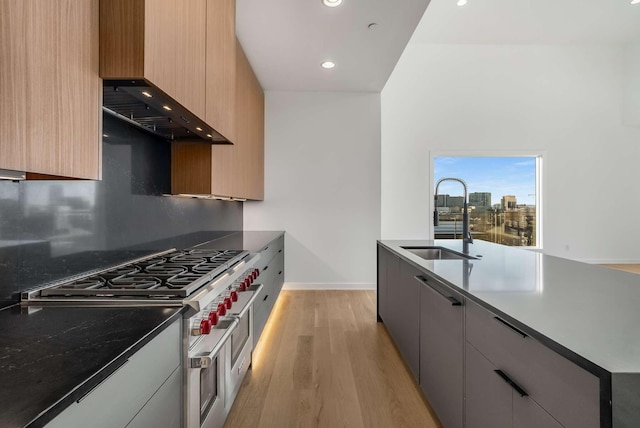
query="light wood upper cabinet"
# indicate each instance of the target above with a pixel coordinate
(50, 90)
(250, 117)
(230, 171)
(221, 67)
(160, 41)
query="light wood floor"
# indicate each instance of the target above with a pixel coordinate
(627, 267)
(324, 361)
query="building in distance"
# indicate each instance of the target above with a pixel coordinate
(480, 199)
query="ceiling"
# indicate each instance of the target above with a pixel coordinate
(287, 40)
(529, 22)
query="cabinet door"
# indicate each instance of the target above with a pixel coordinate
(404, 312)
(253, 151)
(562, 388)
(221, 67)
(175, 52)
(528, 414)
(116, 401)
(489, 399)
(238, 170)
(164, 409)
(442, 350)
(50, 91)
(381, 295)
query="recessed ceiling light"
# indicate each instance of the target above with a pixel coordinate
(328, 64)
(166, 107)
(147, 94)
(332, 3)
(461, 2)
(198, 129)
(635, 1)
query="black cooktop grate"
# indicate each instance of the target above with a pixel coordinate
(174, 275)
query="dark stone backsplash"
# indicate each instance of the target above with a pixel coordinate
(53, 229)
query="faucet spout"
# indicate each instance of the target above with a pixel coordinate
(466, 234)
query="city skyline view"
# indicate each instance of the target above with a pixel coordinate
(499, 176)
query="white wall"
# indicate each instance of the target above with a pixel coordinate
(563, 100)
(322, 185)
(631, 84)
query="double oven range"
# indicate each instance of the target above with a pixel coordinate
(216, 289)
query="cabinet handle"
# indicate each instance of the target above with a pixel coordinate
(265, 248)
(265, 297)
(280, 273)
(513, 385)
(280, 250)
(514, 329)
(265, 268)
(451, 299)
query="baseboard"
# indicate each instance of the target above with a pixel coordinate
(328, 286)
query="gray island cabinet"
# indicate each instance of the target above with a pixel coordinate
(514, 338)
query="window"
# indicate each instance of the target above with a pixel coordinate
(504, 198)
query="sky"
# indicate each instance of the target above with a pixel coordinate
(499, 176)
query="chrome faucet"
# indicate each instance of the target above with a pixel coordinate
(466, 234)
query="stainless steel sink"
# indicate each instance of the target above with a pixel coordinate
(437, 253)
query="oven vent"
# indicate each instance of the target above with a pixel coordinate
(141, 104)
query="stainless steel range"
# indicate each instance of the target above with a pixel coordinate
(217, 290)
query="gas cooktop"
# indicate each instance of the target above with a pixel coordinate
(173, 274)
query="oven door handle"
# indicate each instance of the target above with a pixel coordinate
(246, 308)
(202, 361)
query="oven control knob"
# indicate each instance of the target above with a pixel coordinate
(213, 318)
(227, 302)
(234, 296)
(243, 286)
(204, 327)
(255, 273)
(222, 309)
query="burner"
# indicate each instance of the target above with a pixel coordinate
(166, 269)
(206, 253)
(204, 268)
(187, 261)
(138, 282)
(155, 261)
(86, 283)
(182, 281)
(127, 270)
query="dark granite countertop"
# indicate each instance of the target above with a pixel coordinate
(252, 241)
(52, 356)
(586, 312)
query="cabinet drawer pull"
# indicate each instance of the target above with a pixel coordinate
(265, 297)
(265, 268)
(280, 273)
(513, 385)
(451, 299)
(265, 248)
(514, 329)
(280, 250)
